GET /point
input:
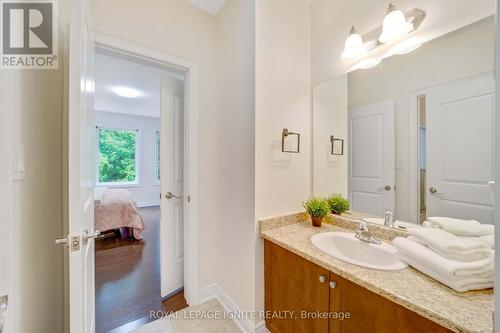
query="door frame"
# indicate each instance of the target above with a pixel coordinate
(191, 146)
(9, 283)
(414, 139)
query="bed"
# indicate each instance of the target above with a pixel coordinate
(116, 208)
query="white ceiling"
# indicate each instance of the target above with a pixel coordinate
(212, 7)
(111, 71)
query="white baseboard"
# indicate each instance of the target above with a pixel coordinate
(245, 324)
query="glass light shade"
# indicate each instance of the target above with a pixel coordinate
(394, 25)
(406, 46)
(354, 45)
(367, 63)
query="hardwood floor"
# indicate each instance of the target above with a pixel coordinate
(128, 278)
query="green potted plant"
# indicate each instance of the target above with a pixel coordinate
(338, 204)
(317, 208)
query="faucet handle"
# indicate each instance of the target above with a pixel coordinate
(362, 226)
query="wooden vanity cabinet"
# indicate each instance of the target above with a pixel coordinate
(293, 283)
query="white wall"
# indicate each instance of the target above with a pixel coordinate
(236, 152)
(333, 19)
(464, 53)
(330, 173)
(282, 100)
(37, 203)
(148, 191)
(179, 28)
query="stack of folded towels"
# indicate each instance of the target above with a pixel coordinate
(461, 263)
(464, 228)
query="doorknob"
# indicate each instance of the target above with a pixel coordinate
(322, 278)
(385, 188)
(169, 195)
(434, 190)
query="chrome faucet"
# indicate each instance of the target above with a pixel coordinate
(364, 234)
(389, 220)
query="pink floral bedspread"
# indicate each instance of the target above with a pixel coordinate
(117, 208)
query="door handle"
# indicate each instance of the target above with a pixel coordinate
(434, 190)
(385, 188)
(3, 310)
(169, 196)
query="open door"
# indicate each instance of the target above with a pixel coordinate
(81, 146)
(171, 173)
(371, 158)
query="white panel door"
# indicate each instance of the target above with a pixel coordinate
(81, 176)
(371, 158)
(460, 149)
(171, 174)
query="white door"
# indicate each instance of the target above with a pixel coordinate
(81, 177)
(171, 174)
(371, 158)
(460, 149)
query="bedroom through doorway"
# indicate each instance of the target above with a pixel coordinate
(138, 207)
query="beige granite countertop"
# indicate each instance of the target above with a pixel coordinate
(460, 312)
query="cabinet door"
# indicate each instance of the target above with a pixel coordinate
(373, 313)
(294, 289)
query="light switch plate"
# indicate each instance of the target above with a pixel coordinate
(18, 168)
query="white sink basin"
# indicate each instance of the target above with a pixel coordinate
(398, 224)
(345, 246)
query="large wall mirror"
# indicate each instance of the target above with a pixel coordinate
(417, 131)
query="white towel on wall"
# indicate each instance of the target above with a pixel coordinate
(461, 227)
(447, 268)
(449, 245)
(458, 284)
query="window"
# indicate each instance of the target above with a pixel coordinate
(158, 156)
(118, 156)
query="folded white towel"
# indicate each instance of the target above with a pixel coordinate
(449, 245)
(447, 268)
(465, 256)
(488, 239)
(461, 227)
(458, 284)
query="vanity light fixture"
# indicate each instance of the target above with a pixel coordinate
(367, 63)
(354, 46)
(394, 25)
(406, 46)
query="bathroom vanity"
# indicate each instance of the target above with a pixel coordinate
(307, 290)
